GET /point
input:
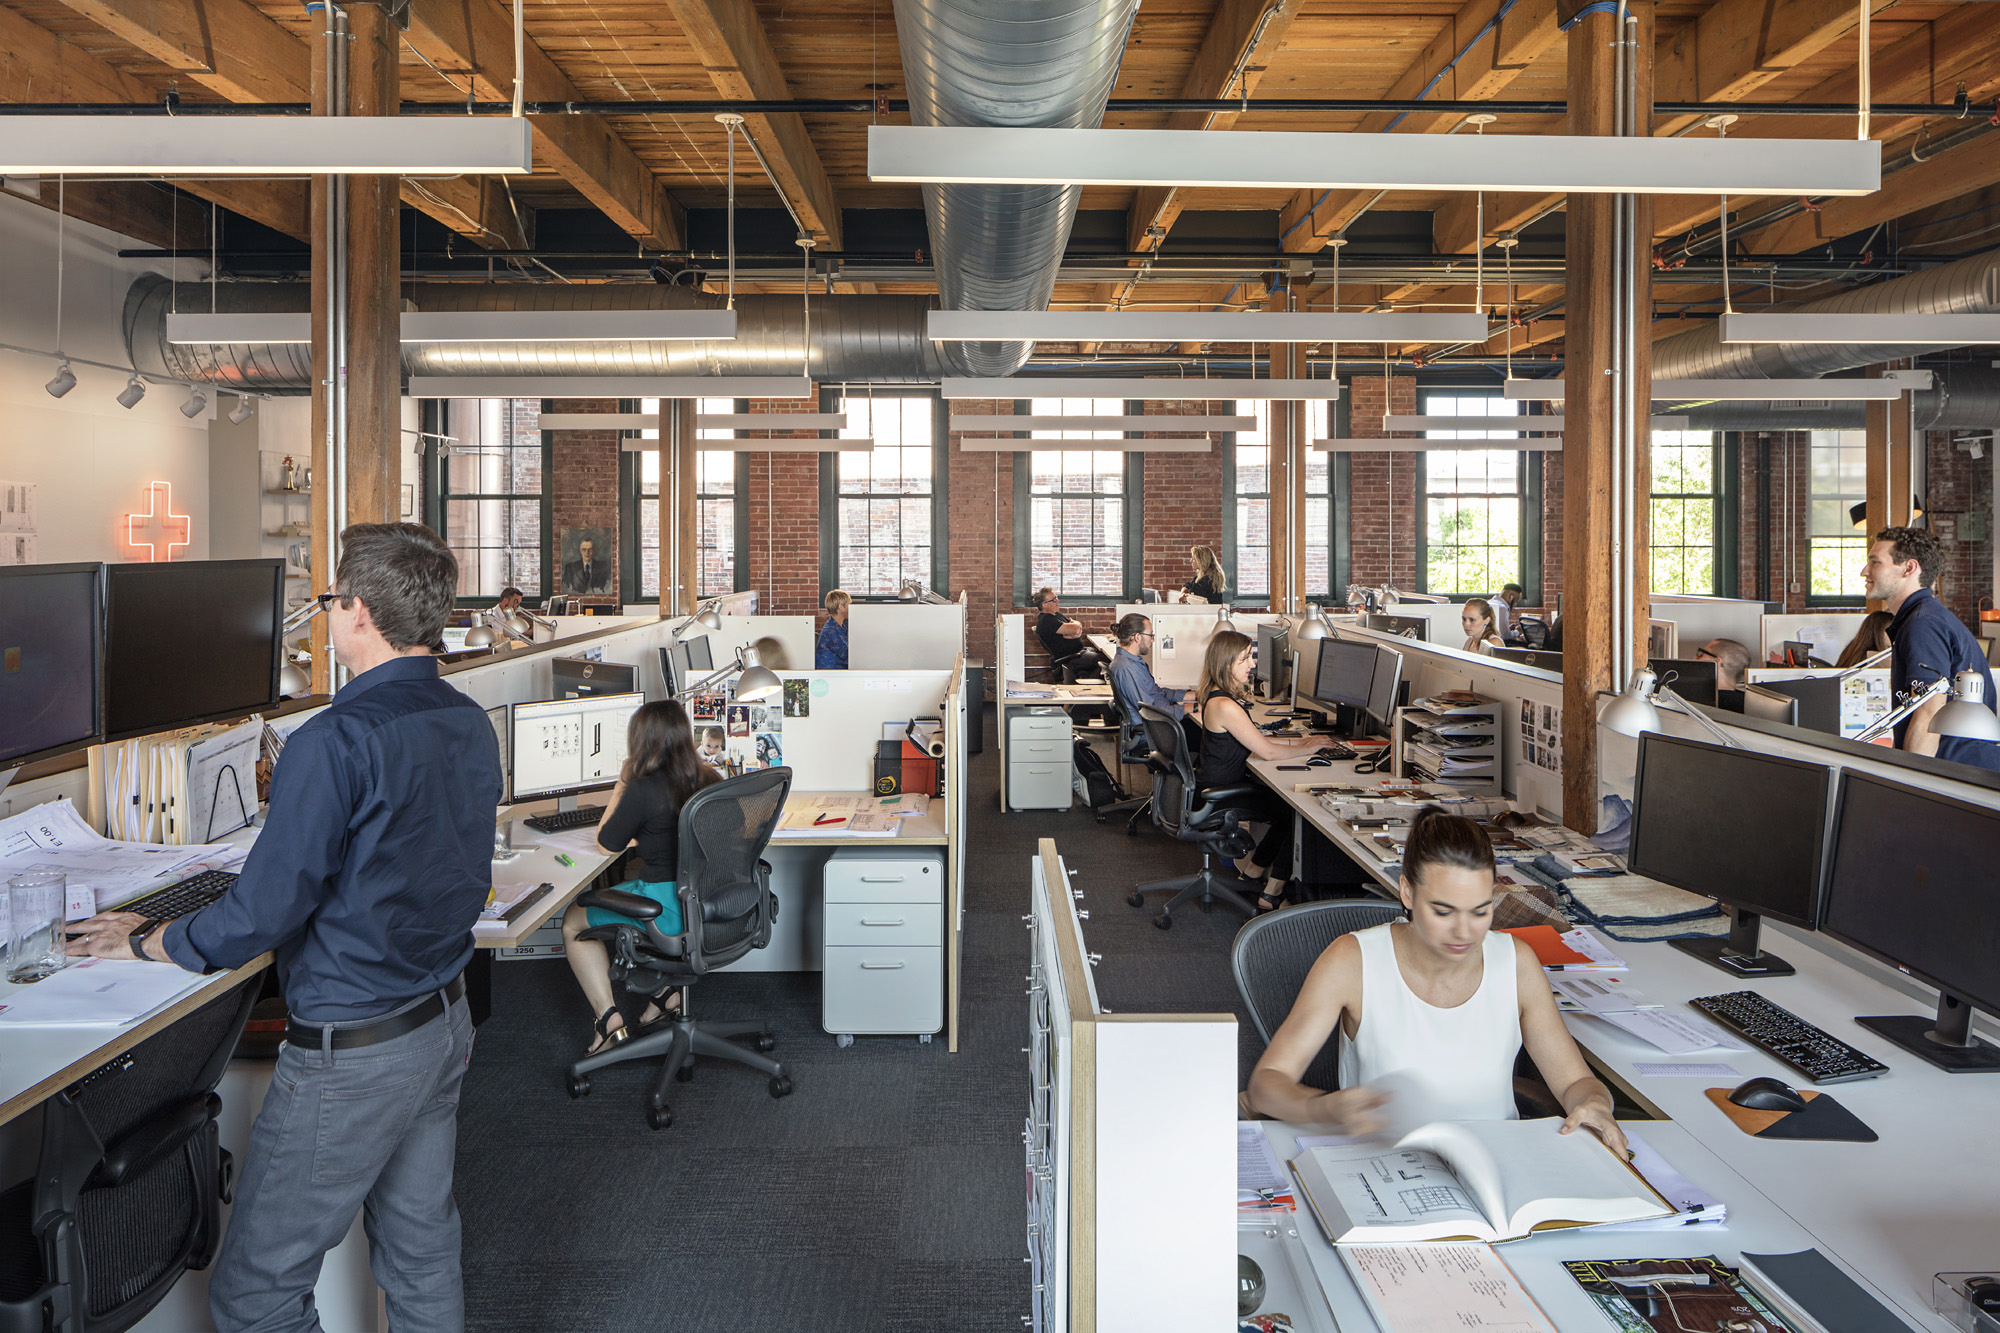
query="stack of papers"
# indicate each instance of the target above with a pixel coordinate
(1692, 1204)
(96, 991)
(1261, 1180)
(54, 837)
(1018, 689)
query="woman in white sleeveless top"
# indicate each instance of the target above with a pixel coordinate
(1436, 1007)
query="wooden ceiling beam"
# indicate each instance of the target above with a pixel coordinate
(1963, 170)
(146, 211)
(1243, 37)
(1476, 56)
(232, 48)
(43, 67)
(730, 40)
(476, 38)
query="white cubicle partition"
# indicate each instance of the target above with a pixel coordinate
(1179, 644)
(904, 636)
(1703, 618)
(1131, 1213)
(796, 637)
(833, 749)
(1828, 632)
(1010, 649)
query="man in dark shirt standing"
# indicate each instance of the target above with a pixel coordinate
(1927, 641)
(373, 864)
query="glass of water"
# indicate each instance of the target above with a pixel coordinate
(35, 903)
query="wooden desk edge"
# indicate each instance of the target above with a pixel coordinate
(130, 1037)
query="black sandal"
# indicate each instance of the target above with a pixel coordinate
(1266, 904)
(606, 1038)
(668, 1002)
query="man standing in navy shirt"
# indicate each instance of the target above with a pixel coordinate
(372, 866)
(1928, 642)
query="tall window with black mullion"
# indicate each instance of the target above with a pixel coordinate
(493, 499)
(1079, 505)
(1475, 501)
(887, 498)
(718, 501)
(1684, 522)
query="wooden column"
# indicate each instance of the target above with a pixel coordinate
(1891, 480)
(1287, 476)
(1592, 490)
(687, 474)
(369, 412)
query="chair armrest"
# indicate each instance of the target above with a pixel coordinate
(637, 907)
(154, 1139)
(1234, 791)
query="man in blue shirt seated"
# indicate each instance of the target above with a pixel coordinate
(373, 864)
(830, 653)
(1927, 641)
(1133, 679)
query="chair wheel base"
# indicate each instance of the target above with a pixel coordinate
(766, 1043)
(1136, 899)
(685, 1074)
(659, 1117)
(579, 1085)
(1163, 921)
(781, 1085)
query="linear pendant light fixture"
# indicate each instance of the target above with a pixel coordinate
(1688, 391)
(610, 386)
(1547, 424)
(849, 446)
(788, 421)
(1143, 390)
(1522, 443)
(266, 145)
(1942, 330)
(474, 326)
(977, 421)
(1295, 160)
(1124, 444)
(1171, 326)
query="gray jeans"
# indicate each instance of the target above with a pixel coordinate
(374, 1127)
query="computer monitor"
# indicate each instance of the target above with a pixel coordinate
(454, 637)
(670, 675)
(1769, 705)
(1148, 596)
(565, 746)
(1409, 627)
(700, 654)
(51, 640)
(503, 733)
(1744, 828)
(1346, 674)
(1818, 699)
(575, 677)
(1383, 690)
(1274, 660)
(189, 640)
(1912, 884)
(1539, 658)
(1692, 678)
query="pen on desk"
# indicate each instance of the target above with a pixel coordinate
(563, 859)
(829, 819)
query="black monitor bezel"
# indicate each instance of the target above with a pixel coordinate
(1821, 848)
(96, 735)
(632, 688)
(277, 568)
(1384, 718)
(1989, 1003)
(1327, 702)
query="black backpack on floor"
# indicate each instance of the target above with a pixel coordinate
(1094, 781)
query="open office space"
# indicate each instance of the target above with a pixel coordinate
(1580, 414)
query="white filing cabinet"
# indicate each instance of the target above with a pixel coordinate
(1039, 759)
(884, 950)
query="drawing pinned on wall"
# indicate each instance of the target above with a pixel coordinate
(17, 506)
(1541, 736)
(17, 548)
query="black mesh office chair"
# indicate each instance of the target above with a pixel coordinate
(1189, 813)
(1272, 955)
(1134, 748)
(727, 909)
(129, 1189)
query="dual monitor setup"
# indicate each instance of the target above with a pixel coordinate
(1354, 683)
(96, 652)
(574, 741)
(1901, 874)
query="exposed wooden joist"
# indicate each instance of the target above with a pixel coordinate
(230, 47)
(142, 210)
(42, 67)
(1963, 170)
(1478, 54)
(476, 37)
(730, 40)
(1242, 38)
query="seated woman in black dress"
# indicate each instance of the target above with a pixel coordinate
(1228, 741)
(662, 770)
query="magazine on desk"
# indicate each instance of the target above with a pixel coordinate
(1489, 1180)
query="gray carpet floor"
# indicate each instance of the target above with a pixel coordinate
(885, 1194)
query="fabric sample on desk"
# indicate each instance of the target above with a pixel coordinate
(1632, 907)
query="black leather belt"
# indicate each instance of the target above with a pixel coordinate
(308, 1036)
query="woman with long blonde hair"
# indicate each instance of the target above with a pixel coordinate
(1229, 739)
(1209, 583)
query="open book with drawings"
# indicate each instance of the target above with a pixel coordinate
(1487, 1180)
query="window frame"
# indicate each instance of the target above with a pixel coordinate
(1725, 498)
(831, 399)
(1336, 477)
(631, 477)
(436, 417)
(1813, 599)
(1528, 469)
(1133, 543)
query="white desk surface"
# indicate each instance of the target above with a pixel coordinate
(1756, 1223)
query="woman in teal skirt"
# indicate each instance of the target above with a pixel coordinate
(661, 772)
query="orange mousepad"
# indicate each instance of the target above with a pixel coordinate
(1824, 1118)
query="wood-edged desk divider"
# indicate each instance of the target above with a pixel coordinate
(1131, 1143)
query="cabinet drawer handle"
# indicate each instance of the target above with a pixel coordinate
(880, 967)
(882, 879)
(867, 922)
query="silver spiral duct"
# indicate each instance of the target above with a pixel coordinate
(1017, 64)
(854, 338)
(1967, 287)
(1966, 397)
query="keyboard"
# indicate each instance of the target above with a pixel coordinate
(177, 900)
(562, 821)
(1820, 1056)
(1336, 750)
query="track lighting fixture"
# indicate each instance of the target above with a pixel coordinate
(64, 381)
(241, 412)
(196, 404)
(134, 390)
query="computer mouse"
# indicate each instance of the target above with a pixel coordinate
(1319, 761)
(1767, 1094)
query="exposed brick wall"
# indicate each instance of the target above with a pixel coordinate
(1552, 528)
(1183, 502)
(583, 488)
(1959, 490)
(980, 543)
(783, 521)
(1382, 487)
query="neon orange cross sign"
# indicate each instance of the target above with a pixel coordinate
(159, 523)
